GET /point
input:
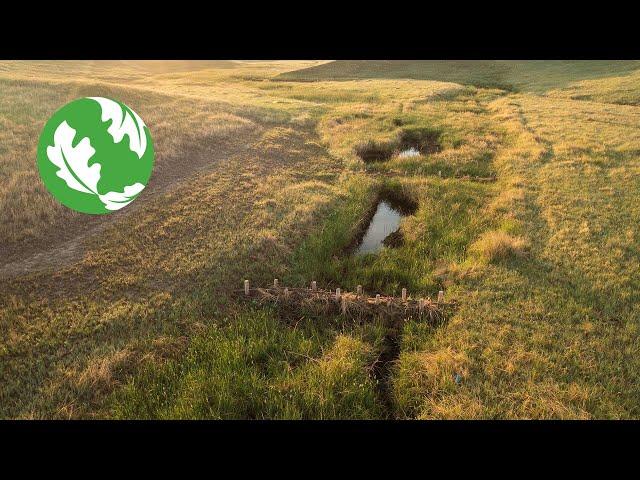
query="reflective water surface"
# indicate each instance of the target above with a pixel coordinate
(410, 152)
(385, 221)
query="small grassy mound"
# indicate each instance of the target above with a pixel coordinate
(496, 245)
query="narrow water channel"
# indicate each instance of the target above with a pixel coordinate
(385, 221)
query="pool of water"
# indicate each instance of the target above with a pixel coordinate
(385, 221)
(409, 152)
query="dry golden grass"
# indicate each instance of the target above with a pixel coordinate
(496, 245)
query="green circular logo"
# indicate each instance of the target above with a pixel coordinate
(95, 155)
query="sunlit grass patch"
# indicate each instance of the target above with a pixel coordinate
(253, 366)
(421, 374)
(498, 245)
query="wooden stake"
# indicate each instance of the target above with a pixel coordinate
(314, 287)
(364, 305)
(275, 283)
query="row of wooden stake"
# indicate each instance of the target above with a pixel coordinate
(314, 287)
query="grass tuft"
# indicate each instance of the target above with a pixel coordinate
(498, 245)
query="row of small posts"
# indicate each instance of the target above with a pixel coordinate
(314, 287)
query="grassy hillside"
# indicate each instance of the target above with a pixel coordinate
(526, 215)
(620, 89)
(531, 75)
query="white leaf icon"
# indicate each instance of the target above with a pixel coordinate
(117, 200)
(73, 162)
(124, 122)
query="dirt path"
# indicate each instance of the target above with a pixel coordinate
(67, 242)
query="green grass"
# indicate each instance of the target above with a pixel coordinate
(440, 230)
(254, 366)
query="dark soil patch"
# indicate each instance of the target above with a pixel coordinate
(372, 151)
(383, 366)
(398, 199)
(424, 140)
(394, 240)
